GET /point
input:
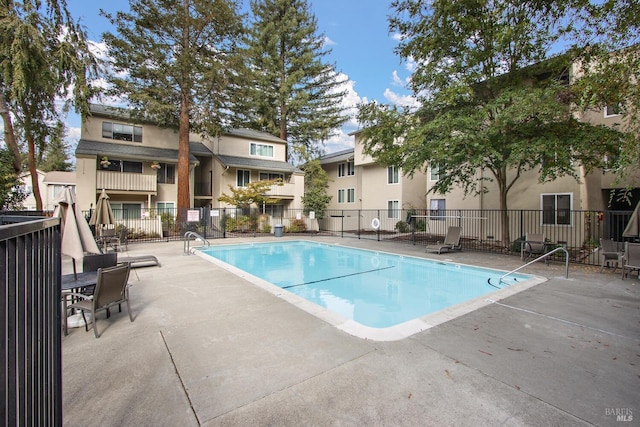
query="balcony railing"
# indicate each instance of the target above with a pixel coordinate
(125, 181)
(285, 190)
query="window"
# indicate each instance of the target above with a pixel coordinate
(166, 174)
(261, 150)
(434, 173)
(392, 175)
(165, 207)
(556, 209)
(121, 132)
(393, 209)
(116, 165)
(341, 195)
(351, 195)
(243, 178)
(125, 211)
(270, 175)
(611, 110)
(276, 211)
(346, 169)
(437, 209)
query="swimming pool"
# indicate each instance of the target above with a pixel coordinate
(370, 294)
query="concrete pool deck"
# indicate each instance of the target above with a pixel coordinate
(209, 348)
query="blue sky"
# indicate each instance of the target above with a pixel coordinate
(357, 32)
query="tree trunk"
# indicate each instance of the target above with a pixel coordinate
(9, 135)
(35, 186)
(184, 199)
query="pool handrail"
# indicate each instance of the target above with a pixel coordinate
(188, 250)
(559, 248)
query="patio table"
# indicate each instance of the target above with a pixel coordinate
(74, 283)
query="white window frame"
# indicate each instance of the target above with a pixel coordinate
(393, 175)
(244, 182)
(543, 217)
(269, 174)
(256, 149)
(342, 167)
(118, 209)
(351, 168)
(171, 209)
(393, 209)
(351, 195)
(341, 195)
(437, 209)
(434, 173)
(606, 110)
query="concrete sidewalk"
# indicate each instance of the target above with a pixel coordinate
(209, 348)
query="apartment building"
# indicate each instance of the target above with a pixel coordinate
(136, 163)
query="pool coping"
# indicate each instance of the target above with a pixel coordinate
(392, 333)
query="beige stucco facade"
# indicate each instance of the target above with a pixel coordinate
(140, 167)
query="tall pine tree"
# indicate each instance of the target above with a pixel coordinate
(44, 57)
(293, 94)
(175, 64)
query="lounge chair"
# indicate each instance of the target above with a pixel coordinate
(451, 241)
(610, 252)
(111, 289)
(140, 260)
(534, 244)
(631, 258)
(119, 240)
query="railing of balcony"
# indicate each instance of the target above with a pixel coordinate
(286, 189)
(126, 181)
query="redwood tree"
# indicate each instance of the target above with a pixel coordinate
(174, 64)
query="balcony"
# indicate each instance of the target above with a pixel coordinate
(286, 190)
(125, 181)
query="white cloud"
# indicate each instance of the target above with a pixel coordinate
(328, 41)
(401, 100)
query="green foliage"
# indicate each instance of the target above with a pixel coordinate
(402, 227)
(172, 62)
(291, 93)
(316, 183)
(484, 106)
(55, 157)
(167, 220)
(251, 194)
(421, 225)
(297, 226)
(241, 223)
(44, 58)
(12, 192)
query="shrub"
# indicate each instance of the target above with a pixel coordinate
(297, 226)
(402, 227)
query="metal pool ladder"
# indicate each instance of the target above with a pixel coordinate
(566, 261)
(187, 239)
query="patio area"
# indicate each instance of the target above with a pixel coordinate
(209, 348)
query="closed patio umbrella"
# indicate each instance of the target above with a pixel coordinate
(77, 238)
(103, 214)
(633, 227)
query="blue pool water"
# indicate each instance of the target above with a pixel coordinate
(378, 290)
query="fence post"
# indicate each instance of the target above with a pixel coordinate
(223, 223)
(359, 224)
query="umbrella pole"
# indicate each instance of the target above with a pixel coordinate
(75, 274)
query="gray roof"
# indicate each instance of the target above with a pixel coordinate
(138, 152)
(259, 164)
(254, 134)
(60, 177)
(338, 156)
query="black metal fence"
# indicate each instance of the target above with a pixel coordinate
(482, 230)
(32, 357)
